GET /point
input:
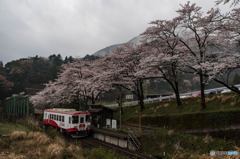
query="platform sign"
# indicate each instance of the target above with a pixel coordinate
(114, 124)
(108, 123)
(129, 96)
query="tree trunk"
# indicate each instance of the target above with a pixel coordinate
(175, 87)
(202, 87)
(141, 95)
(86, 105)
(177, 94)
(120, 115)
(141, 103)
(178, 99)
(232, 88)
(120, 105)
(140, 121)
(93, 99)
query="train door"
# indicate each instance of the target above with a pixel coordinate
(82, 122)
(48, 118)
(69, 121)
(75, 121)
(88, 120)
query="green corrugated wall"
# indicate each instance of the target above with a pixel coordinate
(17, 106)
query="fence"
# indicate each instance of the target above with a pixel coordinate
(16, 106)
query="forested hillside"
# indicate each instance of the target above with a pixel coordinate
(29, 74)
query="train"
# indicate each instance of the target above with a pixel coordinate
(69, 121)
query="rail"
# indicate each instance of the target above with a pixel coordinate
(89, 142)
(134, 140)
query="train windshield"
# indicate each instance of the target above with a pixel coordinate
(75, 119)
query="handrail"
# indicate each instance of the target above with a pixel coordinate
(133, 138)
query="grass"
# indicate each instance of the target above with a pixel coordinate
(37, 145)
(102, 153)
(221, 109)
(226, 102)
(7, 128)
(28, 144)
(25, 141)
(172, 144)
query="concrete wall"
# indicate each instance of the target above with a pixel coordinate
(123, 143)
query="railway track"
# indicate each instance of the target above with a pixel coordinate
(90, 142)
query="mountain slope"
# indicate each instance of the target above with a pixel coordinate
(107, 50)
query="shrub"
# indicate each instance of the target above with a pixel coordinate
(55, 150)
(30, 123)
(12, 156)
(18, 135)
(4, 144)
(52, 132)
(38, 137)
(73, 152)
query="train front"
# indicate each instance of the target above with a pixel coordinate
(80, 123)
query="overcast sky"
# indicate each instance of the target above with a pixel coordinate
(76, 27)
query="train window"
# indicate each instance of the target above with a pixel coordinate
(70, 120)
(62, 118)
(57, 117)
(50, 116)
(87, 118)
(75, 119)
(81, 119)
(54, 117)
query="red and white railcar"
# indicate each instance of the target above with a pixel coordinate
(75, 123)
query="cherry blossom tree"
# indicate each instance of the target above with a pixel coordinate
(193, 42)
(125, 71)
(78, 81)
(200, 34)
(46, 96)
(223, 70)
(224, 64)
(234, 2)
(164, 54)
